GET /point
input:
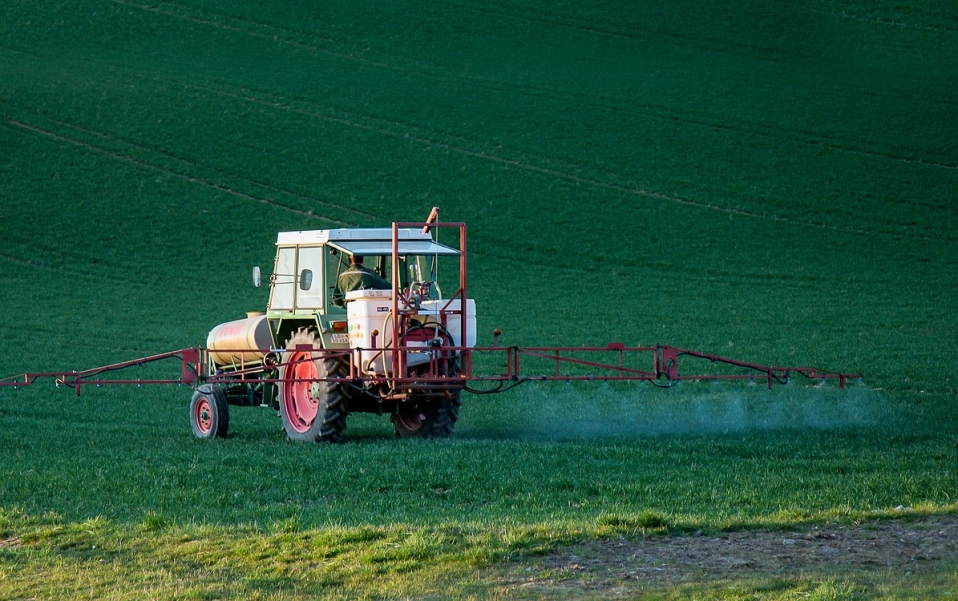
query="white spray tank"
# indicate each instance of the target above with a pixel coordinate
(370, 311)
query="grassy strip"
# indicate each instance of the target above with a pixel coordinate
(45, 557)
(98, 558)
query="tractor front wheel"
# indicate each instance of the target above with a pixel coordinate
(311, 408)
(209, 412)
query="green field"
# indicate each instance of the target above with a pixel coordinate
(772, 183)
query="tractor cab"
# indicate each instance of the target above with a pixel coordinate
(308, 265)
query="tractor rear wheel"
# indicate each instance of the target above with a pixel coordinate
(311, 410)
(429, 416)
(209, 412)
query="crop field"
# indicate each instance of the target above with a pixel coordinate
(774, 182)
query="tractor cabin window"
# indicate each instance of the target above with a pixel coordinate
(310, 295)
(284, 280)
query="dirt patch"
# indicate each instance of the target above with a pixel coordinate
(900, 546)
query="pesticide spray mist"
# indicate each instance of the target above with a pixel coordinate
(569, 410)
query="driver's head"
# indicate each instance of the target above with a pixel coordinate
(355, 259)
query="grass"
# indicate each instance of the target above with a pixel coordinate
(769, 183)
(105, 465)
(156, 557)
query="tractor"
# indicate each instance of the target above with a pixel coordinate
(395, 338)
(320, 352)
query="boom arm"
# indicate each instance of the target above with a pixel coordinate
(613, 362)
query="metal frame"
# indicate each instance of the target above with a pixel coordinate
(402, 385)
(567, 364)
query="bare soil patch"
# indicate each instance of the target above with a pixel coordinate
(900, 546)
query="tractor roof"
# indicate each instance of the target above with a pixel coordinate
(367, 241)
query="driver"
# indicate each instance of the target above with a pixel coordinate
(357, 277)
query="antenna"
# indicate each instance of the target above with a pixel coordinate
(433, 216)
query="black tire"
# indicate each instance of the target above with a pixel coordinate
(429, 416)
(311, 411)
(209, 412)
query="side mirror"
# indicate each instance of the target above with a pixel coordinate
(306, 279)
(257, 277)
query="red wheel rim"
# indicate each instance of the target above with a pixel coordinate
(301, 407)
(203, 415)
